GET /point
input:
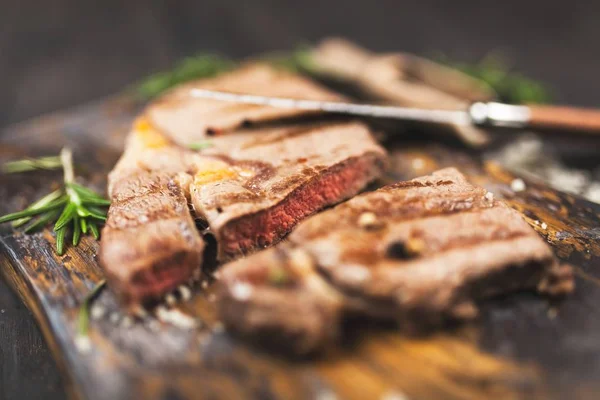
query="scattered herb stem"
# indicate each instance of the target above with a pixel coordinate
(83, 319)
(30, 164)
(200, 145)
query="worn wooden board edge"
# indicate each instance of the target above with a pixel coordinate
(65, 347)
(8, 272)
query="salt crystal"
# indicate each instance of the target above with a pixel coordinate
(241, 291)
(544, 225)
(186, 293)
(517, 185)
(83, 344)
(170, 299)
(97, 311)
(175, 317)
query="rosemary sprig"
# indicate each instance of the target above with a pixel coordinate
(30, 164)
(74, 208)
(83, 319)
(210, 65)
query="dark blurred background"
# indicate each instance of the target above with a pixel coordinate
(60, 53)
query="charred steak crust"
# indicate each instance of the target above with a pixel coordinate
(250, 188)
(419, 252)
(150, 243)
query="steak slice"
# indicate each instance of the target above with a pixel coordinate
(187, 120)
(150, 243)
(249, 189)
(276, 177)
(420, 252)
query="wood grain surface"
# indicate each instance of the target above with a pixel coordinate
(523, 346)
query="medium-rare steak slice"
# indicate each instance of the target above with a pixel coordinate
(276, 177)
(419, 252)
(250, 188)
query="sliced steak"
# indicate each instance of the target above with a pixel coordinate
(280, 300)
(150, 243)
(187, 120)
(276, 177)
(250, 188)
(419, 252)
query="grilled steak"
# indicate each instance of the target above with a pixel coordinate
(250, 188)
(419, 252)
(187, 120)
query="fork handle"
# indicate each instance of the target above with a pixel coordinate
(564, 118)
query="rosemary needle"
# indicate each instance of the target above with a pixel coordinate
(44, 201)
(200, 145)
(30, 164)
(60, 241)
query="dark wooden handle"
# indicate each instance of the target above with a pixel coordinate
(570, 118)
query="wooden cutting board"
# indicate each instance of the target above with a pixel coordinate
(523, 346)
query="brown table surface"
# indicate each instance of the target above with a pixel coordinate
(65, 52)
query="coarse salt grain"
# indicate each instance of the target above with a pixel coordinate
(175, 317)
(517, 185)
(242, 291)
(170, 299)
(97, 311)
(544, 225)
(83, 344)
(489, 196)
(185, 292)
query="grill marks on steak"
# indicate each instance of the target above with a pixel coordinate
(250, 188)
(150, 243)
(420, 252)
(256, 207)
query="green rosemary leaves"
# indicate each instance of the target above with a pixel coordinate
(73, 208)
